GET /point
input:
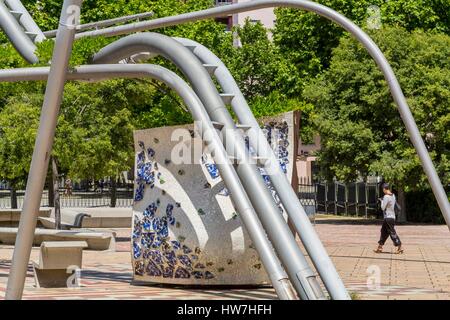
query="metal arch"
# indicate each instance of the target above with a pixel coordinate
(26, 20)
(372, 48)
(300, 273)
(330, 14)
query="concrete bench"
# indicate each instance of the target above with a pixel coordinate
(107, 217)
(95, 240)
(58, 264)
(69, 219)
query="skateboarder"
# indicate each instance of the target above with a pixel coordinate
(388, 204)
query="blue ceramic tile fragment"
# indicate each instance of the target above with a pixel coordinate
(170, 258)
(182, 273)
(153, 270)
(168, 272)
(156, 256)
(212, 169)
(156, 242)
(197, 274)
(175, 244)
(185, 260)
(186, 249)
(139, 195)
(150, 152)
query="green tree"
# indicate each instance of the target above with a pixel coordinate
(18, 125)
(94, 133)
(93, 138)
(46, 12)
(361, 129)
(307, 39)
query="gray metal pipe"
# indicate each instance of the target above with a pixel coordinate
(330, 14)
(104, 23)
(26, 20)
(16, 35)
(288, 197)
(70, 15)
(251, 222)
(300, 274)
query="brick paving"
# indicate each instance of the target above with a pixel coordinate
(422, 272)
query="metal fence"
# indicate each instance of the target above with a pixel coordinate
(82, 199)
(352, 199)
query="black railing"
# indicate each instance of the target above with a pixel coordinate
(352, 199)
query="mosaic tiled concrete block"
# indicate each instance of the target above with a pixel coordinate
(185, 227)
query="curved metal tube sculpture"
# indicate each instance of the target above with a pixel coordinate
(330, 14)
(288, 197)
(291, 257)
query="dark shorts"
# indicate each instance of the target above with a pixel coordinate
(388, 230)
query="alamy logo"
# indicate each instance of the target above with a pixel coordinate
(374, 278)
(73, 281)
(373, 17)
(186, 149)
(73, 16)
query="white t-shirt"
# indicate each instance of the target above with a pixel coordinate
(388, 206)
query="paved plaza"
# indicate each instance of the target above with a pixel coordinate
(422, 272)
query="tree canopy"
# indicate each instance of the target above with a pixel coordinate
(307, 40)
(309, 64)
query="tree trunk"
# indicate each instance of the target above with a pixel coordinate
(113, 192)
(56, 194)
(13, 197)
(402, 202)
(294, 180)
(51, 191)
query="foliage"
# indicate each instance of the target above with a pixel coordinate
(257, 65)
(18, 125)
(358, 121)
(274, 104)
(46, 12)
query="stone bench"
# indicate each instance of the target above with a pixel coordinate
(11, 217)
(59, 262)
(95, 240)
